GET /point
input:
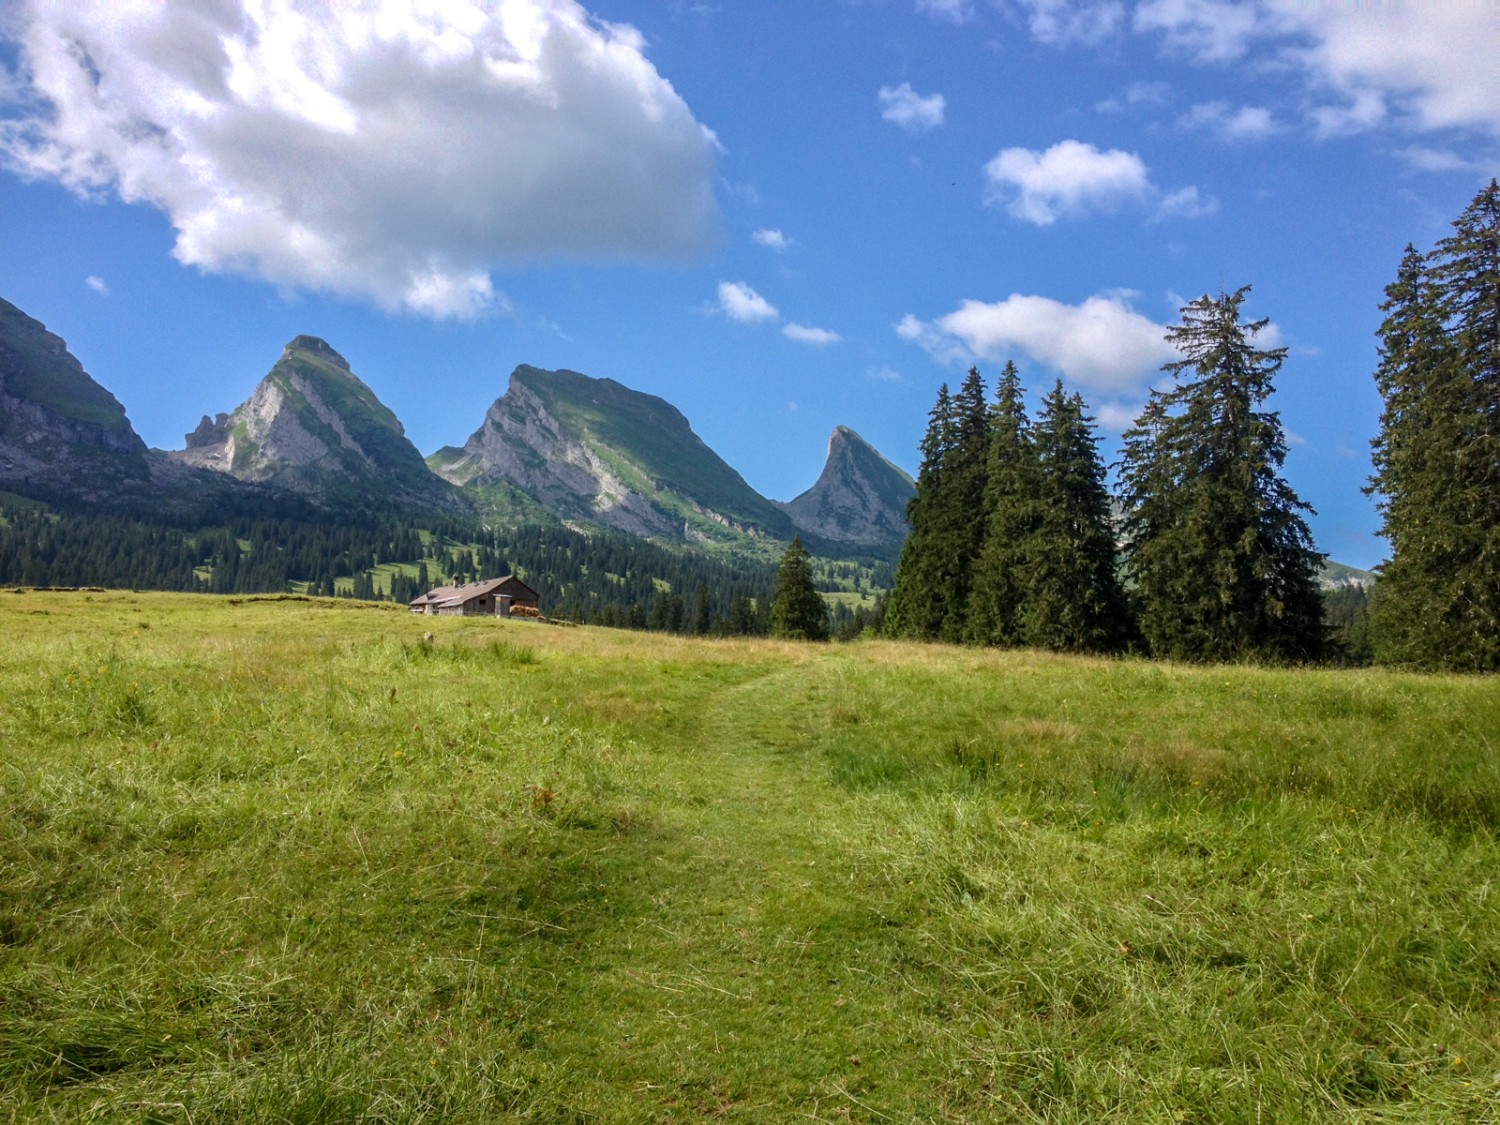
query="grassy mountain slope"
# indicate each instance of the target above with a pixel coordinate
(37, 366)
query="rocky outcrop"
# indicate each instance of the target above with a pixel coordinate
(312, 427)
(60, 431)
(595, 450)
(858, 502)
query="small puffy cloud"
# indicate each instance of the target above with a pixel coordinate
(1068, 180)
(805, 335)
(97, 285)
(1061, 23)
(739, 302)
(1188, 203)
(385, 150)
(884, 374)
(912, 111)
(954, 11)
(773, 239)
(1137, 93)
(1102, 344)
(1248, 123)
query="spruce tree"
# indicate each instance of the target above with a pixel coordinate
(1437, 457)
(1074, 601)
(1221, 556)
(798, 611)
(1009, 517)
(916, 609)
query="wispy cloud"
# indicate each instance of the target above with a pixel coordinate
(954, 11)
(97, 285)
(805, 335)
(1248, 123)
(773, 239)
(739, 302)
(914, 112)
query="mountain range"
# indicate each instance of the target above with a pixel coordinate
(556, 444)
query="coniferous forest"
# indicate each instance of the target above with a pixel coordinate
(1205, 553)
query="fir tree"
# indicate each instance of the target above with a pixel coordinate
(1009, 516)
(915, 608)
(1074, 602)
(1437, 457)
(798, 611)
(1221, 556)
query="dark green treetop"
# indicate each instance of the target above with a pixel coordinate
(1074, 601)
(1437, 457)
(1221, 556)
(798, 611)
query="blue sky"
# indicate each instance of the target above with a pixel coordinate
(781, 217)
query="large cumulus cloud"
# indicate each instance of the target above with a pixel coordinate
(393, 151)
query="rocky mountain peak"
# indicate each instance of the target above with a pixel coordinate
(317, 346)
(859, 500)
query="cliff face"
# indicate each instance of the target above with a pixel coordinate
(860, 499)
(58, 428)
(593, 449)
(312, 427)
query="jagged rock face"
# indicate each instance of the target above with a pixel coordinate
(311, 426)
(859, 500)
(58, 427)
(593, 449)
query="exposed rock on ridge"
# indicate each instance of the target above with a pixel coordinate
(311, 426)
(860, 499)
(593, 449)
(59, 428)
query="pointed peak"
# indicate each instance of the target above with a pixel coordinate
(318, 347)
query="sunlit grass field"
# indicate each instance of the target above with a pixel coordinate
(286, 861)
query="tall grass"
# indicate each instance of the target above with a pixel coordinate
(292, 862)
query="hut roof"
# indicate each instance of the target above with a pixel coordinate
(467, 591)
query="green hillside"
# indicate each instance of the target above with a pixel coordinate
(649, 442)
(292, 861)
(36, 366)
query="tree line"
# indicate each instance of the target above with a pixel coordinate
(1205, 553)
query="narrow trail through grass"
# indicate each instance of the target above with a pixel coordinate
(287, 861)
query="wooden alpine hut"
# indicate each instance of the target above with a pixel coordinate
(494, 597)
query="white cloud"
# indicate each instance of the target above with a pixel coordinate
(739, 302)
(773, 239)
(1060, 23)
(1102, 344)
(1188, 203)
(1207, 30)
(955, 11)
(388, 151)
(805, 335)
(912, 111)
(1248, 123)
(1137, 93)
(1068, 180)
(1425, 159)
(97, 284)
(1432, 66)
(884, 374)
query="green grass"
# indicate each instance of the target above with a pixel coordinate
(288, 861)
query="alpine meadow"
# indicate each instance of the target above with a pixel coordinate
(599, 561)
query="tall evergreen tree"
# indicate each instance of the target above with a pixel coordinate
(915, 608)
(1221, 555)
(1437, 457)
(1074, 601)
(931, 596)
(1010, 498)
(798, 611)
